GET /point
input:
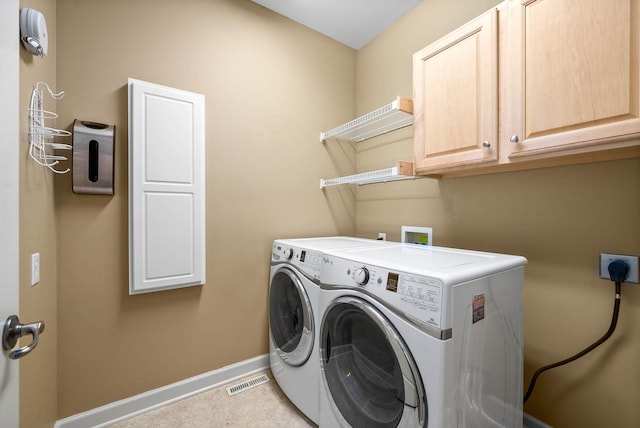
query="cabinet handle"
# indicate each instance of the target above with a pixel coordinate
(486, 144)
(514, 139)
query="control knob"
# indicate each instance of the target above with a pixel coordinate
(288, 253)
(361, 275)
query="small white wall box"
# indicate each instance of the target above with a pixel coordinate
(417, 235)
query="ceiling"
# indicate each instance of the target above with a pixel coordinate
(350, 22)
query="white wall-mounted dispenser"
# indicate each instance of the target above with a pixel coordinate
(93, 149)
(33, 31)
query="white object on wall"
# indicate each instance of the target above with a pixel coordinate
(40, 150)
(417, 235)
(166, 188)
(33, 32)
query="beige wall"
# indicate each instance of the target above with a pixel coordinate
(38, 371)
(559, 218)
(271, 86)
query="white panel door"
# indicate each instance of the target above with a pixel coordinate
(166, 188)
(9, 120)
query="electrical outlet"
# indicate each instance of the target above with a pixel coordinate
(382, 236)
(35, 268)
(606, 258)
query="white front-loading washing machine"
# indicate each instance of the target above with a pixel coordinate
(416, 336)
(293, 316)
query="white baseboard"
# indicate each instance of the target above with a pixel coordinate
(123, 409)
(531, 422)
(111, 413)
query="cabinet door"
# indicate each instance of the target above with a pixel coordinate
(167, 247)
(455, 98)
(575, 76)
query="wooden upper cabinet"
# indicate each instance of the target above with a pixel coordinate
(455, 98)
(574, 77)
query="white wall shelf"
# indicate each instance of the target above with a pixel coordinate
(395, 115)
(402, 171)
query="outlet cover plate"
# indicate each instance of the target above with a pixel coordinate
(606, 258)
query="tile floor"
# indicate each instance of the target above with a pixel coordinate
(264, 406)
(261, 406)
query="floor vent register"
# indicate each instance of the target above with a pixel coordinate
(247, 384)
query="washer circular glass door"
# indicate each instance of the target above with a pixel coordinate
(290, 317)
(371, 377)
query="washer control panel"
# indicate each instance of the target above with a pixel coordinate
(307, 261)
(417, 296)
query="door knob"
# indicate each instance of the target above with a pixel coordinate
(13, 330)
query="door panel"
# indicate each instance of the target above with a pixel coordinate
(578, 66)
(574, 70)
(166, 188)
(9, 120)
(455, 90)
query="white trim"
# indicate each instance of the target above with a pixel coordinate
(531, 422)
(123, 409)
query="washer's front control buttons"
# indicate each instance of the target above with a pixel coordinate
(361, 275)
(288, 253)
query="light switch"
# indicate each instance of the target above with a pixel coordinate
(35, 268)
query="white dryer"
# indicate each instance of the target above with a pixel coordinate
(293, 316)
(416, 336)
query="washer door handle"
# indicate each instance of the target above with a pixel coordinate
(13, 330)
